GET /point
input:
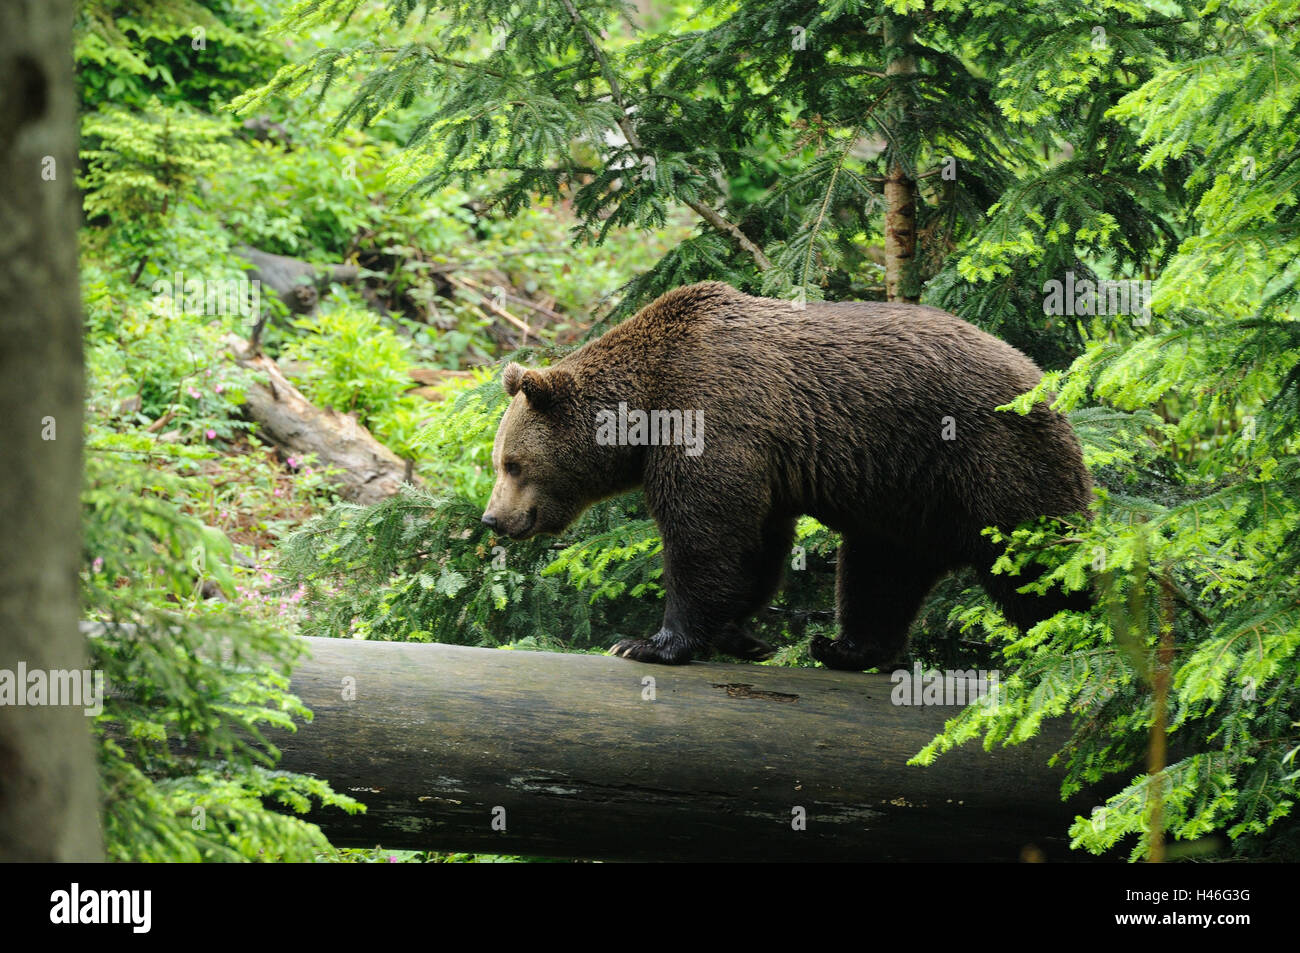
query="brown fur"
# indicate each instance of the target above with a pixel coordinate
(836, 411)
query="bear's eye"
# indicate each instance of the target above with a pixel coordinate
(512, 469)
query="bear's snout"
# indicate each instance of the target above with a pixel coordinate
(516, 526)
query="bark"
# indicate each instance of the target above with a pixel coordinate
(900, 189)
(48, 780)
(581, 756)
(431, 376)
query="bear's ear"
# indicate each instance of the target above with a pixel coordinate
(542, 389)
(511, 378)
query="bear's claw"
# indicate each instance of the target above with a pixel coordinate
(657, 650)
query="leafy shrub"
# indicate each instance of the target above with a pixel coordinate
(356, 364)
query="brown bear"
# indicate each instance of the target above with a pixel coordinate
(738, 414)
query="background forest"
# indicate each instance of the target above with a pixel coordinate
(483, 181)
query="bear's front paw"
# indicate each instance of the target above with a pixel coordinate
(662, 648)
(846, 656)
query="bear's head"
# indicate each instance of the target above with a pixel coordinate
(548, 466)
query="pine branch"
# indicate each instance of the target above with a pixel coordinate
(710, 215)
(730, 228)
(826, 201)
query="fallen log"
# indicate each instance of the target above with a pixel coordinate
(431, 379)
(431, 376)
(367, 470)
(542, 754)
(297, 283)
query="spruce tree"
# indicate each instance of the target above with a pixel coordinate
(828, 149)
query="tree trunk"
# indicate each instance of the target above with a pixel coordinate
(557, 755)
(901, 280)
(48, 780)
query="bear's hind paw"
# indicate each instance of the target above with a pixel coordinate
(755, 651)
(738, 643)
(845, 656)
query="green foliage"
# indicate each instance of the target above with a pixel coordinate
(776, 124)
(140, 165)
(129, 52)
(456, 443)
(1110, 140)
(1194, 427)
(357, 365)
(196, 643)
(319, 197)
(186, 759)
(421, 568)
(607, 565)
(355, 361)
(148, 362)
